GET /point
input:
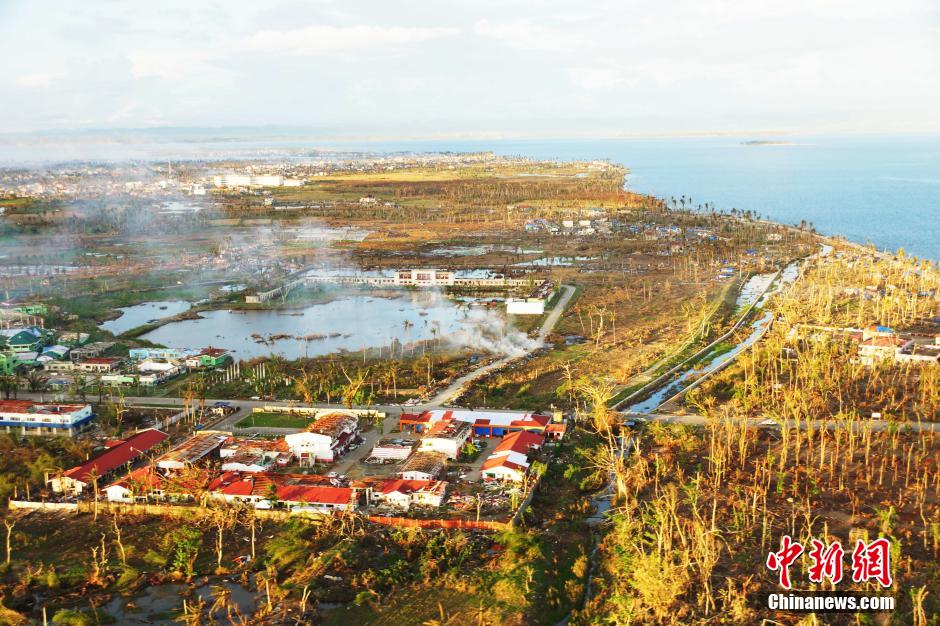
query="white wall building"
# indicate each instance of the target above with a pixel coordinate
(525, 306)
(325, 439)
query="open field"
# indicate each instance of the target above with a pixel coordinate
(273, 420)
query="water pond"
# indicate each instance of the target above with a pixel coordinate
(140, 314)
(346, 323)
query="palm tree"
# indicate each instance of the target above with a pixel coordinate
(8, 385)
(37, 382)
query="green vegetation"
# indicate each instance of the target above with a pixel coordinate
(276, 419)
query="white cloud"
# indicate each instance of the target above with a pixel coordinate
(35, 81)
(527, 35)
(320, 39)
(171, 64)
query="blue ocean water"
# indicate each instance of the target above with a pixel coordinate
(884, 190)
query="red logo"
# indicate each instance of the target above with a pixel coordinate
(870, 561)
(781, 561)
(827, 563)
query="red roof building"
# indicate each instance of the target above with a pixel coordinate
(402, 493)
(290, 490)
(485, 423)
(106, 464)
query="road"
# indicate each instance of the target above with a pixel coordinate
(454, 389)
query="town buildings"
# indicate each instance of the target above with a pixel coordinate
(424, 465)
(485, 423)
(326, 439)
(402, 493)
(297, 492)
(254, 455)
(192, 451)
(99, 469)
(25, 417)
(447, 436)
(208, 357)
(877, 344)
(510, 460)
(392, 450)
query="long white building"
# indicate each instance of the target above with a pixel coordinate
(24, 417)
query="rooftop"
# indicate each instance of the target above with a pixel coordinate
(194, 448)
(500, 419)
(28, 406)
(411, 486)
(426, 462)
(117, 456)
(333, 424)
(520, 441)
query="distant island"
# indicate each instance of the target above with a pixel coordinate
(766, 142)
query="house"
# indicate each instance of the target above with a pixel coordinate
(254, 455)
(29, 359)
(99, 364)
(424, 466)
(393, 449)
(208, 358)
(525, 306)
(877, 348)
(118, 380)
(57, 352)
(913, 352)
(297, 492)
(29, 339)
(325, 439)
(59, 366)
(402, 494)
(510, 459)
(147, 483)
(508, 467)
(447, 436)
(153, 373)
(143, 483)
(191, 451)
(556, 431)
(25, 417)
(73, 339)
(90, 351)
(485, 423)
(118, 455)
(522, 441)
(165, 354)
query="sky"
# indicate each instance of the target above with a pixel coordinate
(481, 68)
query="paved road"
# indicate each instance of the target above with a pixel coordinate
(455, 389)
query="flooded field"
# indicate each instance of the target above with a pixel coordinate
(163, 604)
(348, 323)
(140, 314)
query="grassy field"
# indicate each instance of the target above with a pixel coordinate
(274, 420)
